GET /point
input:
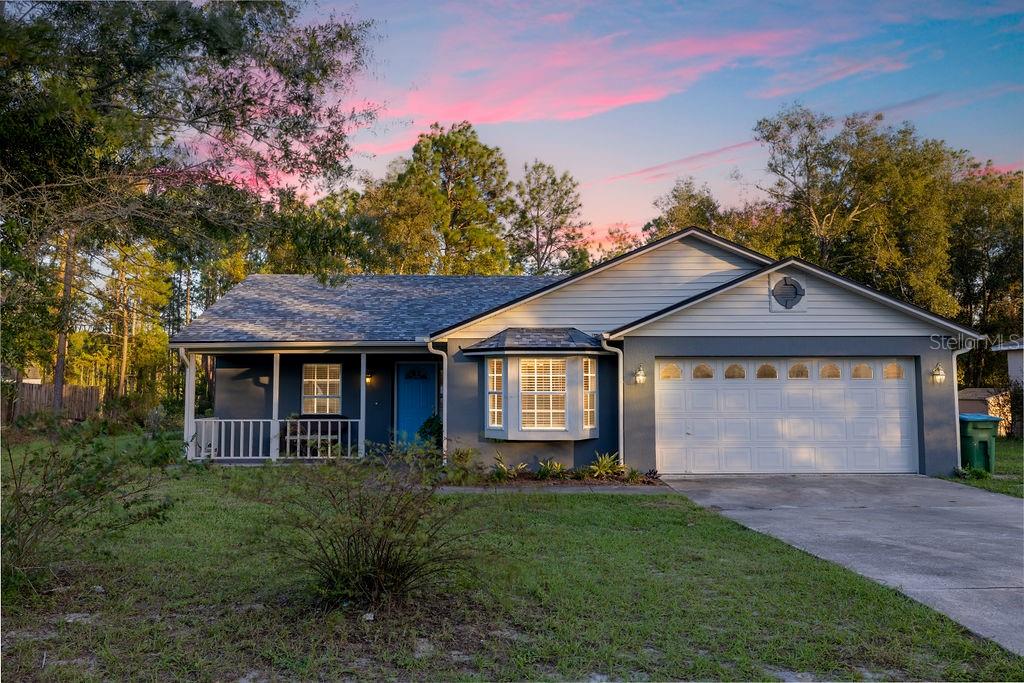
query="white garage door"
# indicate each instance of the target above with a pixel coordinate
(785, 415)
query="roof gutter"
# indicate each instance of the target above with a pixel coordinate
(622, 435)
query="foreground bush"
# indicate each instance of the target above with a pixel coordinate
(367, 531)
(57, 495)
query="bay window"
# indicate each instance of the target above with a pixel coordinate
(539, 398)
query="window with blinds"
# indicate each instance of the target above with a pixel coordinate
(589, 393)
(542, 393)
(495, 392)
(321, 389)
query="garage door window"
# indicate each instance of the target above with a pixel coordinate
(799, 371)
(862, 371)
(830, 371)
(735, 371)
(767, 371)
(703, 371)
(893, 371)
(670, 371)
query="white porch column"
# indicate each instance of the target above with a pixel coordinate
(362, 405)
(275, 425)
(190, 406)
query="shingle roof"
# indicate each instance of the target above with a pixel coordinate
(537, 339)
(277, 308)
(1012, 345)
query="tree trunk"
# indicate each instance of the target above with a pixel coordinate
(65, 323)
(122, 377)
(188, 295)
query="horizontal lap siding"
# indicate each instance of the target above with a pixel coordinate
(831, 311)
(625, 292)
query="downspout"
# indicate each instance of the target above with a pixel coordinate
(622, 436)
(956, 403)
(444, 398)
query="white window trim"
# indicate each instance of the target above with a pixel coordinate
(591, 393)
(492, 363)
(304, 395)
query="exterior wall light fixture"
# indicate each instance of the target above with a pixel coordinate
(640, 376)
(938, 374)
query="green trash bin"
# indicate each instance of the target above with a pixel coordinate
(978, 441)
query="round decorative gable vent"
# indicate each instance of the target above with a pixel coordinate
(787, 292)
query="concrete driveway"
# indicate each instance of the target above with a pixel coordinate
(957, 549)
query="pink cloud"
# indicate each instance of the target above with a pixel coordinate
(830, 71)
(940, 101)
(528, 65)
(692, 162)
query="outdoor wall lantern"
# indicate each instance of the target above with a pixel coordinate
(938, 374)
(640, 376)
(369, 377)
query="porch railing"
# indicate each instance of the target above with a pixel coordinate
(259, 439)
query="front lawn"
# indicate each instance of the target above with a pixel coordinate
(1008, 477)
(570, 586)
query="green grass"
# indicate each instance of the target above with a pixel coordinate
(1008, 477)
(569, 586)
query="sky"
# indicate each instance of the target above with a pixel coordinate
(628, 96)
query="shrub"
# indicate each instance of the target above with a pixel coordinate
(502, 472)
(606, 466)
(634, 476)
(652, 475)
(464, 467)
(551, 469)
(431, 432)
(54, 494)
(367, 531)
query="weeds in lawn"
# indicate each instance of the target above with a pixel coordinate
(53, 494)
(367, 531)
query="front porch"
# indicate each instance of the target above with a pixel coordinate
(310, 405)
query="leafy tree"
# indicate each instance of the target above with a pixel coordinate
(110, 108)
(811, 167)
(465, 185)
(986, 257)
(618, 241)
(546, 229)
(686, 205)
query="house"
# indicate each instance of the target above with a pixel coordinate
(1014, 351)
(987, 401)
(691, 354)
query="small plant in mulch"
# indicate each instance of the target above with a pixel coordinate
(502, 472)
(551, 469)
(606, 466)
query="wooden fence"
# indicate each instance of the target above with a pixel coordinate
(80, 403)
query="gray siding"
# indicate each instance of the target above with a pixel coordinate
(937, 425)
(831, 311)
(624, 292)
(466, 384)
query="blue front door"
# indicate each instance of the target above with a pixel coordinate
(415, 398)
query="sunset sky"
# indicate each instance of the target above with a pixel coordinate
(627, 96)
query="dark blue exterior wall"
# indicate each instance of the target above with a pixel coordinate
(244, 386)
(467, 379)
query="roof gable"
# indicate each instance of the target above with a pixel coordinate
(882, 301)
(612, 293)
